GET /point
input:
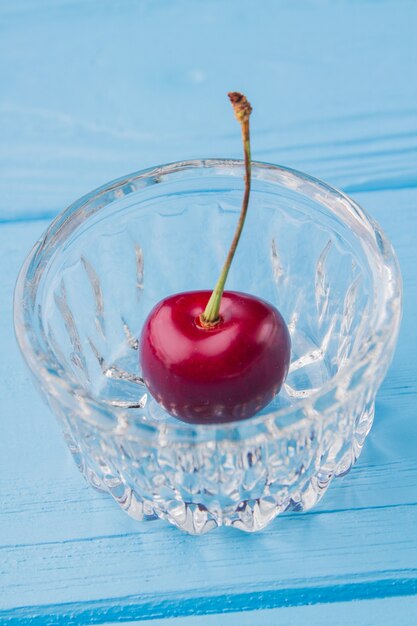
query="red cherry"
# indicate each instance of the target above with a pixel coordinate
(214, 374)
(213, 357)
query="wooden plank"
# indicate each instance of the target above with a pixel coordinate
(157, 572)
(384, 612)
(334, 92)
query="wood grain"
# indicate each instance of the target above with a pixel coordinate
(382, 612)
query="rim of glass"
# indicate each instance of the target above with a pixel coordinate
(386, 316)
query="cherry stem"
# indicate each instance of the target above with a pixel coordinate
(242, 110)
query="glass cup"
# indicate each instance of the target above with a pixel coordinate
(88, 284)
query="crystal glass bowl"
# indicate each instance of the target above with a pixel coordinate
(88, 284)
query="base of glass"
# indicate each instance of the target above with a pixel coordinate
(248, 515)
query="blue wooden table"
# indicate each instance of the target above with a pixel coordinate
(94, 89)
